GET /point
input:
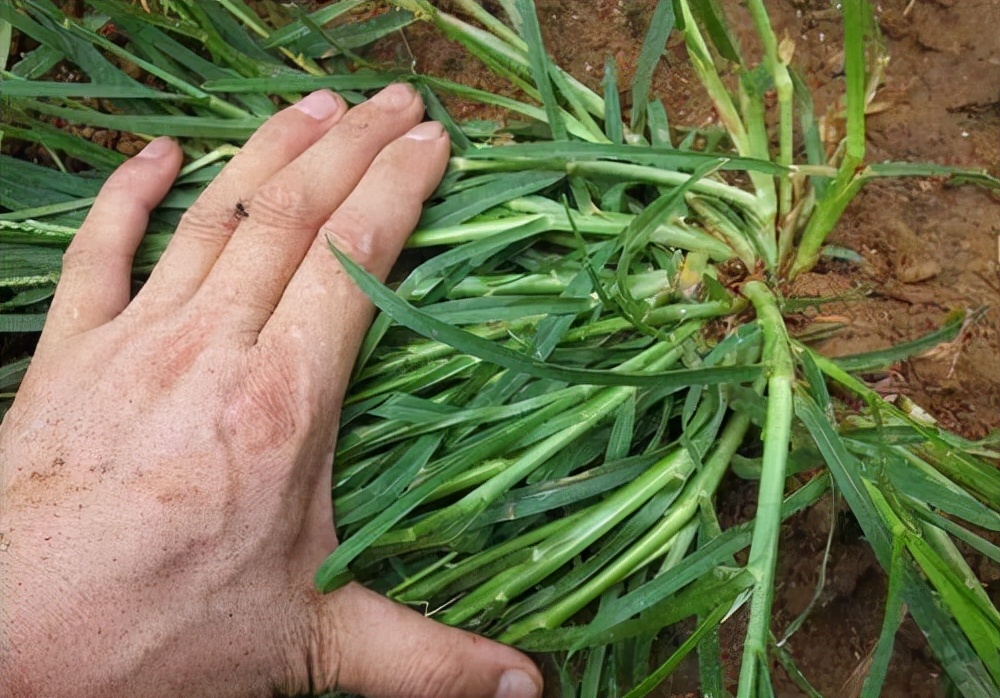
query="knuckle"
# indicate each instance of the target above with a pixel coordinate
(272, 133)
(323, 647)
(280, 131)
(177, 353)
(199, 223)
(355, 234)
(361, 236)
(355, 127)
(78, 255)
(264, 413)
(278, 201)
(432, 679)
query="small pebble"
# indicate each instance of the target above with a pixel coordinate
(915, 272)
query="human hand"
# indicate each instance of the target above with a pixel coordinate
(165, 469)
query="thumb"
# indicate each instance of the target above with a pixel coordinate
(385, 650)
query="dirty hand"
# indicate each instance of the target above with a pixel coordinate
(165, 469)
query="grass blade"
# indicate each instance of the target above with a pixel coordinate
(653, 46)
(613, 126)
(531, 32)
(409, 316)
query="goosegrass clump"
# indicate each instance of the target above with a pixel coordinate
(544, 409)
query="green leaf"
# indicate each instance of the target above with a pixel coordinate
(945, 637)
(407, 315)
(496, 190)
(713, 18)
(101, 159)
(659, 125)
(653, 46)
(233, 129)
(613, 126)
(436, 110)
(21, 323)
(361, 80)
(297, 29)
(532, 34)
(352, 35)
(332, 569)
(29, 297)
(709, 623)
(980, 623)
(84, 90)
(815, 150)
(620, 440)
(500, 308)
(847, 472)
(976, 542)
(12, 373)
(385, 489)
(549, 155)
(918, 480)
(894, 614)
(856, 16)
(930, 169)
(873, 360)
(51, 28)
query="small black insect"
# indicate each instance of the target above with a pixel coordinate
(241, 211)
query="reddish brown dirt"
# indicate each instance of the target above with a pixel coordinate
(928, 249)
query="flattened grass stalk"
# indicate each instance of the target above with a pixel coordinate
(542, 413)
(776, 61)
(652, 545)
(559, 549)
(847, 182)
(746, 142)
(777, 430)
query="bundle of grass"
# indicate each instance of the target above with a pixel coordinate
(543, 411)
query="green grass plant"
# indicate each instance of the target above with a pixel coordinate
(545, 407)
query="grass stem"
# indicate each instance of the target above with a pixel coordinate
(777, 431)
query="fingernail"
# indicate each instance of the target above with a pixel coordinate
(156, 148)
(516, 684)
(320, 105)
(395, 96)
(427, 131)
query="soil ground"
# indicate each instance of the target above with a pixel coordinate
(927, 248)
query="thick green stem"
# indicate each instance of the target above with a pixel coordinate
(553, 554)
(651, 545)
(656, 317)
(825, 217)
(475, 10)
(767, 521)
(849, 180)
(777, 67)
(736, 127)
(701, 60)
(418, 590)
(720, 225)
(447, 523)
(658, 176)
